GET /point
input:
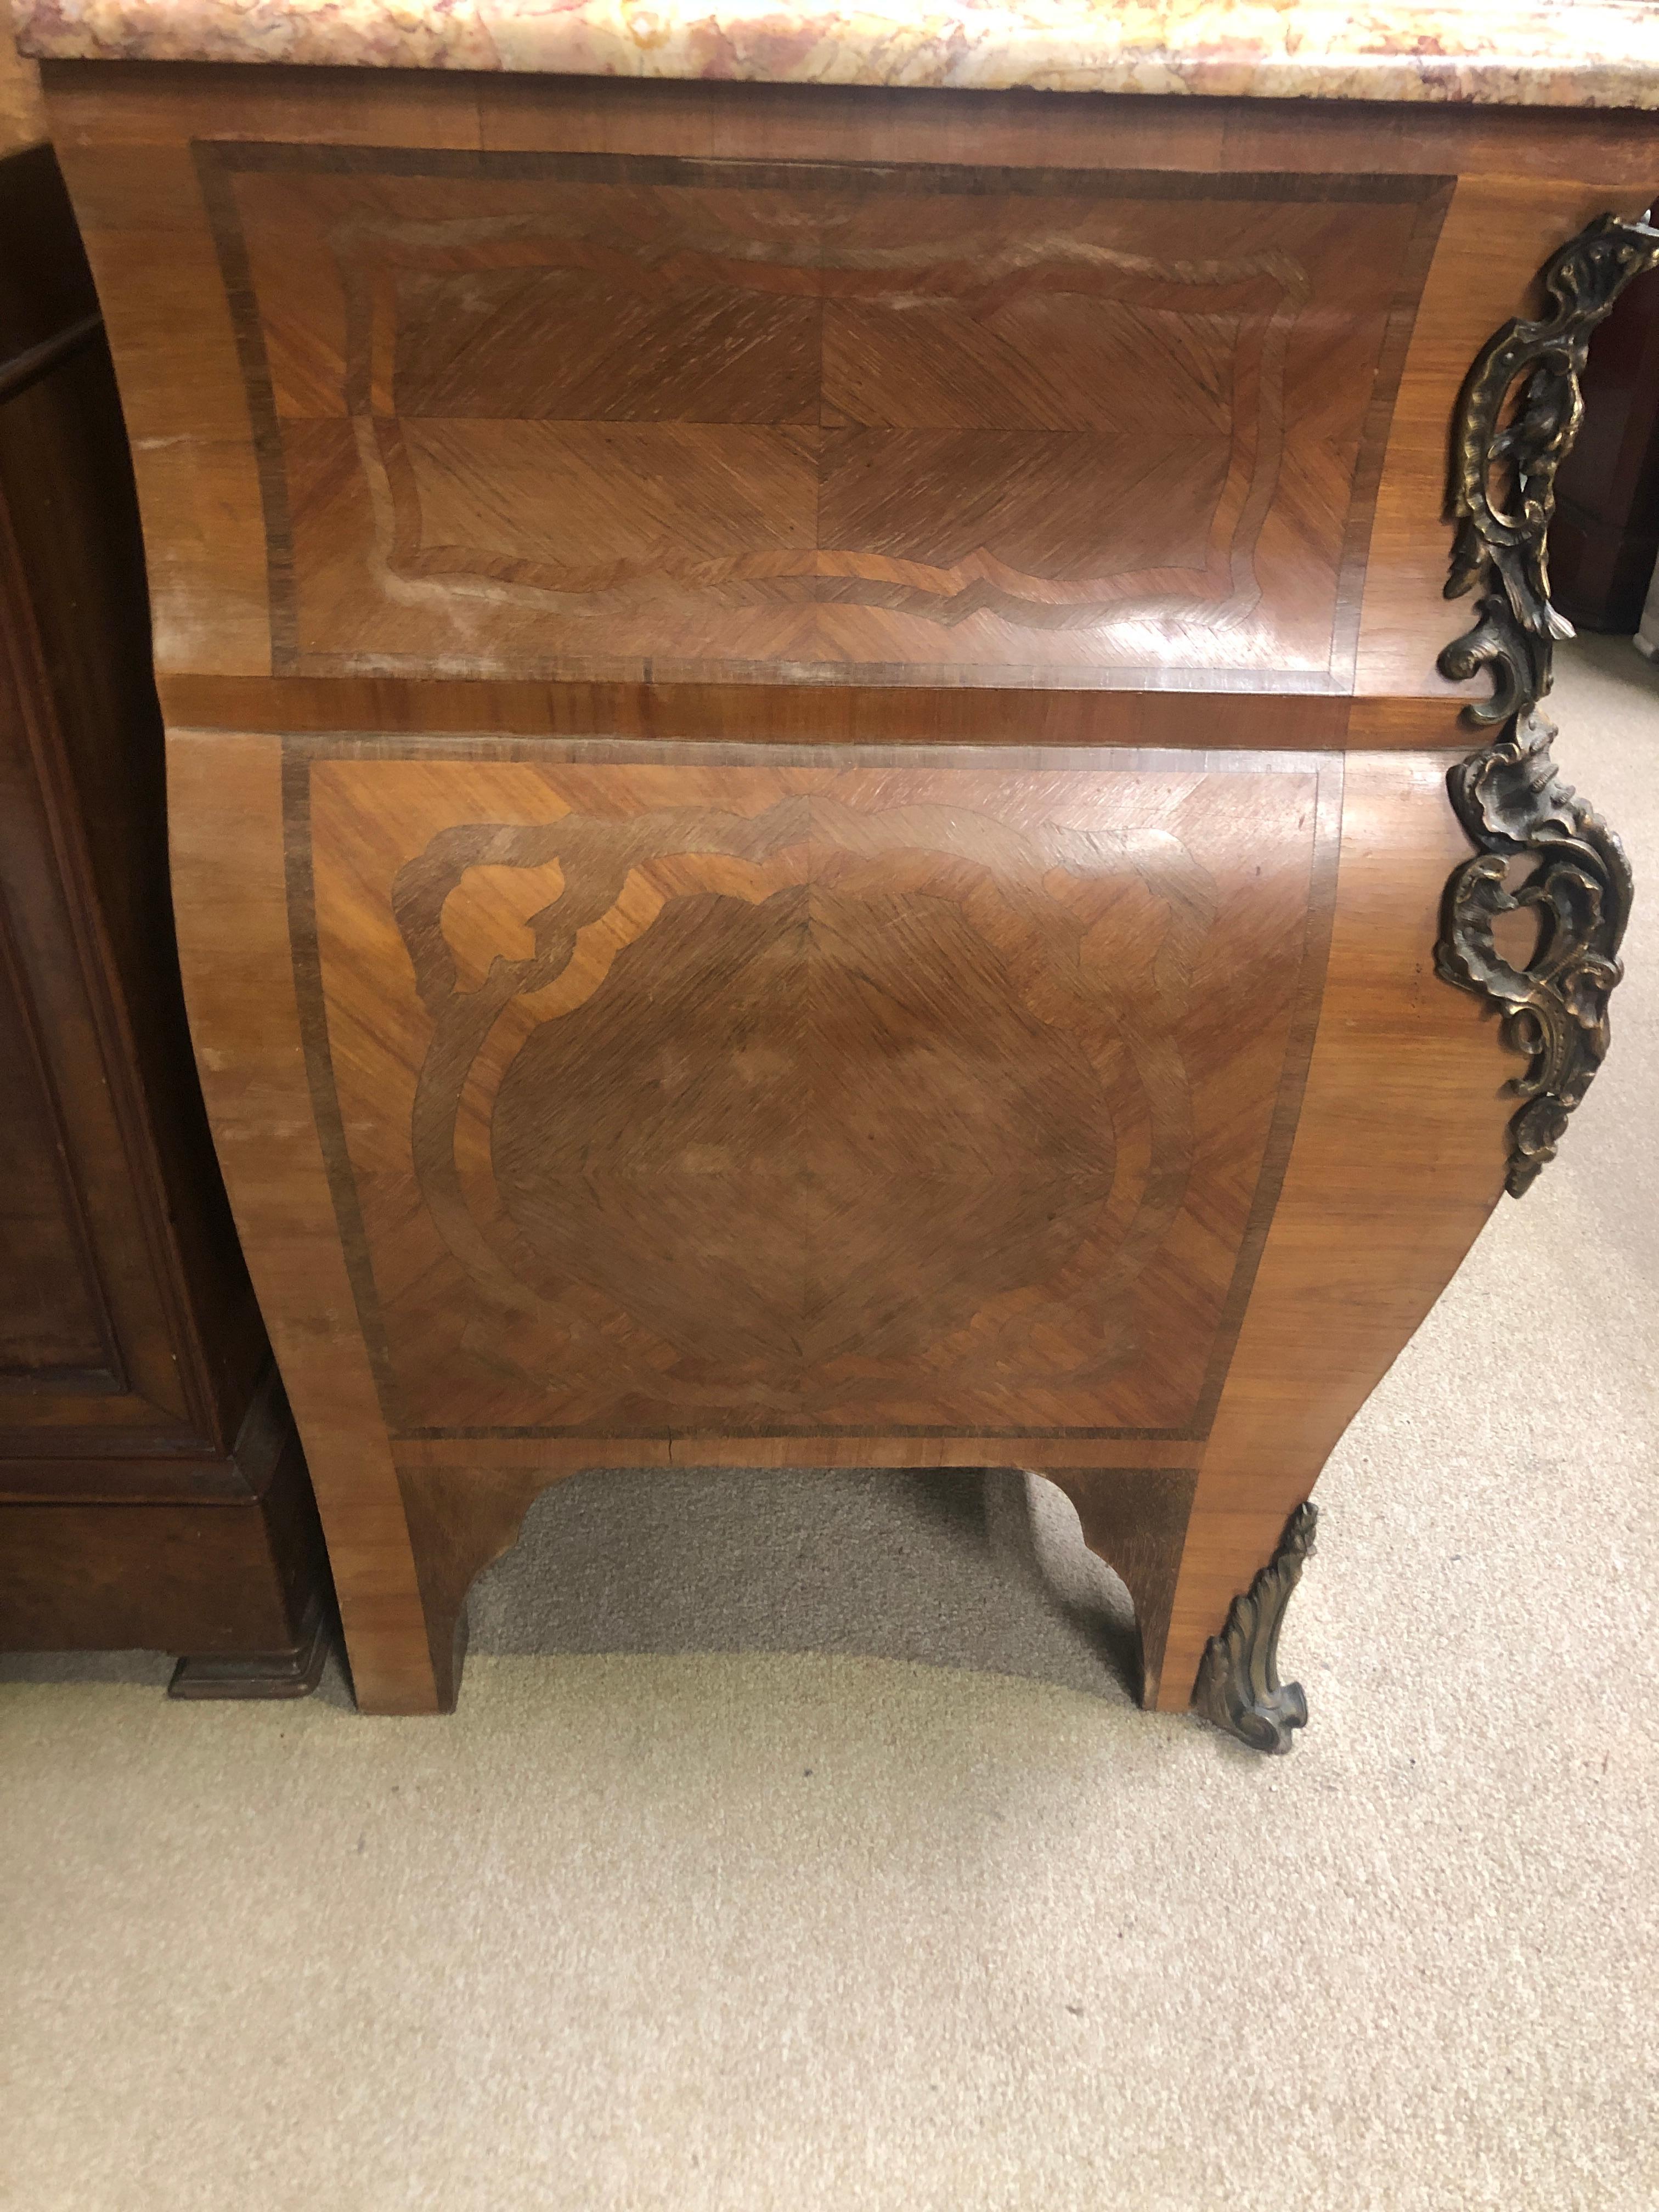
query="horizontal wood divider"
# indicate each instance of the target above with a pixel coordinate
(760, 714)
(566, 1455)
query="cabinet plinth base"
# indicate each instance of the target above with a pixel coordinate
(294, 1673)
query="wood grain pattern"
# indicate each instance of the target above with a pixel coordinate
(802, 714)
(134, 104)
(1138, 1524)
(126, 137)
(616, 1082)
(805, 1096)
(533, 415)
(1398, 1161)
(229, 874)
(1398, 1158)
(558, 1455)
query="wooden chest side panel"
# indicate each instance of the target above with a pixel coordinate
(1398, 1161)
(125, 136)
(803, 1096)
(230, 885)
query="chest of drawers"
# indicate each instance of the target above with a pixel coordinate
(808, 782)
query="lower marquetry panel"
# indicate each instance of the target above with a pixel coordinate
(967, 1026)
(797, 1095)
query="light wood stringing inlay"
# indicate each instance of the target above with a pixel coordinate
(533, 415)
(799, 1099)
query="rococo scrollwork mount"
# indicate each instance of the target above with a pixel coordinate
(1238, 1687)
(1540, 848)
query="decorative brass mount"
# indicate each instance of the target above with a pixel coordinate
(1238, 1686)
(1540, 848)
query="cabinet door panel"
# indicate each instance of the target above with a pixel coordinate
(54, 1329)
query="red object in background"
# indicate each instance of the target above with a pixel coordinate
(1605, 536)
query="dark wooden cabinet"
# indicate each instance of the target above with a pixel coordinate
(1605, 537)
(152, 1491)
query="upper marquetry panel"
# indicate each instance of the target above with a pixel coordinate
(541, 415)
(793, 1095)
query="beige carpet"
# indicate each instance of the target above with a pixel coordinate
(820, 1861)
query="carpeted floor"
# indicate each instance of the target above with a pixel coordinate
(818, 1861)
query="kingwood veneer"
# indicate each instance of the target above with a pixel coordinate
(809, 785)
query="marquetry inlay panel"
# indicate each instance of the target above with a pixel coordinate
(581, 415)
(677, 1094)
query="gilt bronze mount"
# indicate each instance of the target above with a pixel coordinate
(1238, 1687)
(1540, 848)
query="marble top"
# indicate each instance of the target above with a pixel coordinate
(1571, 53)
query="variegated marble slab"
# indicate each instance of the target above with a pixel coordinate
(1585, 54)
